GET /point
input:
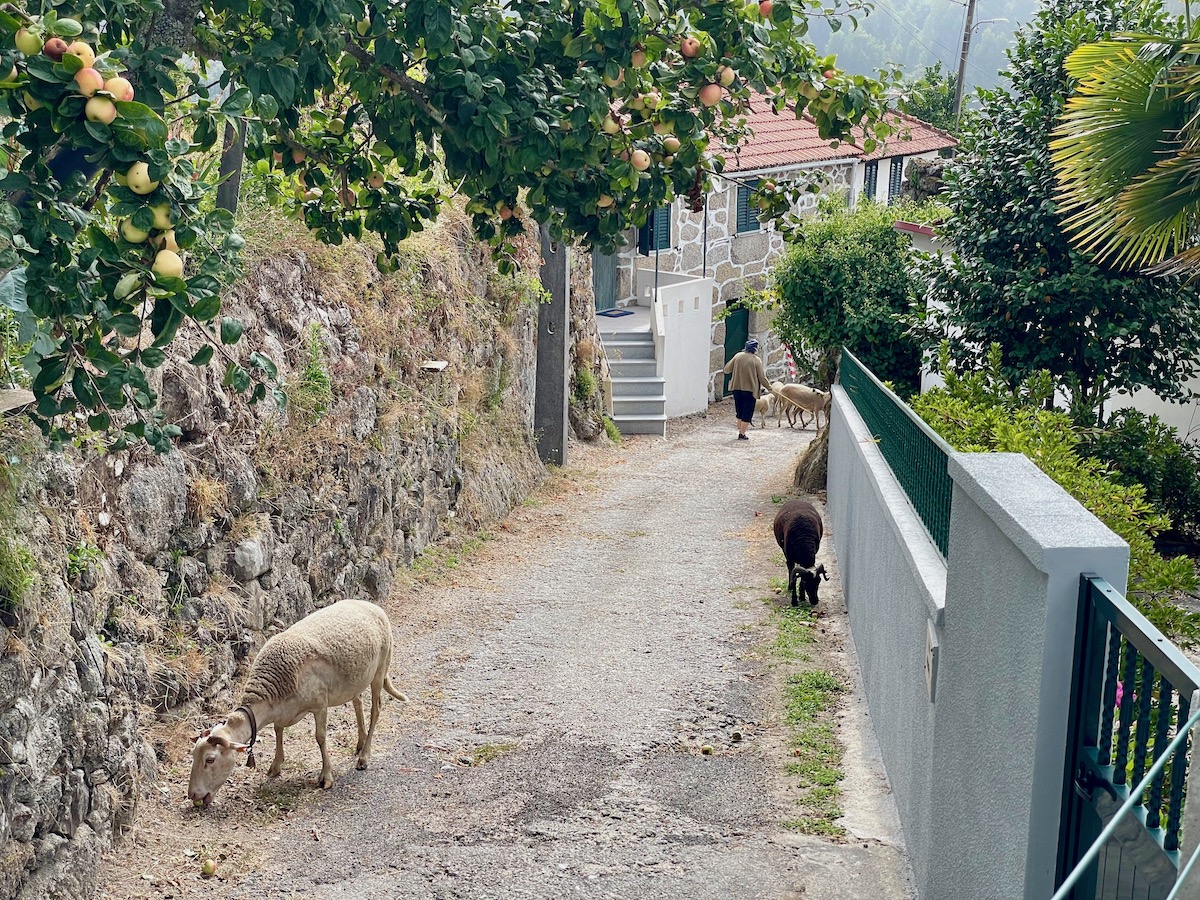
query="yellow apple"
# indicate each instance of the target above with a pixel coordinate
(168, 263)
(166, 241)
(640, 160)
(82, 52)
(138, 176)
(100, 109)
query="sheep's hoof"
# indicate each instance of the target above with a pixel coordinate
(326, 782)
(361, 764)
(795, 602)
(274, 771)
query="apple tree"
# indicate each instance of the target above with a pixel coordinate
(368, 115)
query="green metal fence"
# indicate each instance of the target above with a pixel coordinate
(916, 454)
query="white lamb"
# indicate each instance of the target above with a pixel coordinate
(324, 660)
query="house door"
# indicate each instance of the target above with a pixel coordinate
(604, 279)
(737, 331)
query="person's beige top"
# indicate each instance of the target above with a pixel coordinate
(748, 373)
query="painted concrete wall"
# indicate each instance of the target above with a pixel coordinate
(977, 771)
(682, 314)
(894, 582)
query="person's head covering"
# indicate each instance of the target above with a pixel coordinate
(752, 346)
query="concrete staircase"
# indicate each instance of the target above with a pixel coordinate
(638, 392)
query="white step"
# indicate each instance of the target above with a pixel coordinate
(642, 424)
(637, 406)
(632, 368)
(639, 386)
(623, 349)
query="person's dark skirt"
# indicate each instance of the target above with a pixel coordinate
(743, 405)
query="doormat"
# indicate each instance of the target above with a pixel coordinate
(615, 313)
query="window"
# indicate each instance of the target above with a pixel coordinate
(747, 215)
(895, 178)
(656, 233)
(870, 179)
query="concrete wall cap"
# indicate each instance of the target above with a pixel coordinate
(1029, 507)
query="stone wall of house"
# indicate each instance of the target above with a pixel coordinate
(150, 580)
(738, 263)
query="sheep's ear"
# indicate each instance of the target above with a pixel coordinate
(202, 735)
(820, 570)
(240, 748)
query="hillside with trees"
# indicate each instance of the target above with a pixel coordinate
(912, 34)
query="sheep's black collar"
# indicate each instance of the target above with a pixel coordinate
(253, 734)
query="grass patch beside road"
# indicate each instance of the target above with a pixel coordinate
(810, 697)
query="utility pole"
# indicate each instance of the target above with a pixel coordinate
(962, 59)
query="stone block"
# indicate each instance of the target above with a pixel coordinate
(252, 557)
(750, 247)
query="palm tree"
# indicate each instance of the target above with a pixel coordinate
(1127, 152)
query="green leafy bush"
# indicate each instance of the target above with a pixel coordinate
(845, 283)
(1144, 450)
(979, 412)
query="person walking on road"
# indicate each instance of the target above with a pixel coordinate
(748, 375)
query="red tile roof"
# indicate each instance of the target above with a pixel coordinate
(781, 139)
(912, 137)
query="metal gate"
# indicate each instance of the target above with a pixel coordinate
(1132, 691)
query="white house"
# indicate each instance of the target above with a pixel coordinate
(726, 243)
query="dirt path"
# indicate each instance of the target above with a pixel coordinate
(564, 678)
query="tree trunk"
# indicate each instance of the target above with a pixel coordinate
(232, 153)
(812, 469)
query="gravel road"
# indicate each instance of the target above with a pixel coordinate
(563, 679)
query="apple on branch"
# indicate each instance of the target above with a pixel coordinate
(82, 52)
(89, 81)
(100, 109)
(120, 88)
(168, 263)
(27, 42)
(138, 176)
(55, 48)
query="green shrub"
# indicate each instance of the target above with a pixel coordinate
(1145, 450)
(311, 393)
(17, 571)
(845, 283)
(611, 429)
(979, 412)
(585, 384)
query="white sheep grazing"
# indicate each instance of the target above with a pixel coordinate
(326, 659)
(800, 398)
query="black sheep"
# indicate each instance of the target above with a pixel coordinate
(798, 531)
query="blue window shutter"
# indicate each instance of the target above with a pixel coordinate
(656, 233)
(747, 215)
(895, 178)
(871, 179)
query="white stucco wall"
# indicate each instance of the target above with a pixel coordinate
(978, 771)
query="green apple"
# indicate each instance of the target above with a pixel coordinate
(337, 126)
(376, 180)
(31, 102)
(168, 263)
(138, 176)
(162, 216)
(28, 42)
(132, 233)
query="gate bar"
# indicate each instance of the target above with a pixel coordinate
(1130, 802)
